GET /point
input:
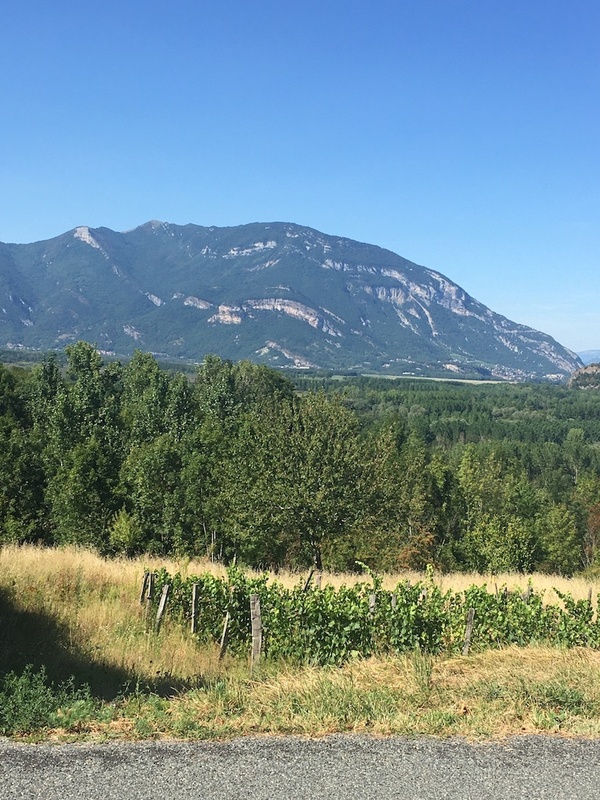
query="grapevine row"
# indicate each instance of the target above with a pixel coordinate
(306, 624)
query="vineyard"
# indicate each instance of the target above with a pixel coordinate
(83, 659)
(322, 626)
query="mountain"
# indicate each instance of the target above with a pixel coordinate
(590, 356)
(277, 293)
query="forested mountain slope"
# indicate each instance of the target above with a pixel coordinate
(278, 293)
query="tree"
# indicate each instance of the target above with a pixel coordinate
(22, 507)
(82, 495)
(502, 508)
(586, 503)
(144, 399)
(151, 488)
(290, 483)
(560, 541)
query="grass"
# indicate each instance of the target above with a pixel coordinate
(76, 620)
(66, 567)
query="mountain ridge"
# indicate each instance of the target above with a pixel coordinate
(278, 293)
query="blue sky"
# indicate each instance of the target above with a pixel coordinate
(462, 134)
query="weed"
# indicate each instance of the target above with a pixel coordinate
(422, 666)
(28, 702)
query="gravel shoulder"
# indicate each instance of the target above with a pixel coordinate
(280, 768)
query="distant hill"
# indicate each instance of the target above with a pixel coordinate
(590, 356)
(587, 377)
(276, 293)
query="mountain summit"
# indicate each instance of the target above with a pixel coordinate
(277, 293)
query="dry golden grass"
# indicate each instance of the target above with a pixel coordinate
(95, 602)
(68, 566)
(98, 601)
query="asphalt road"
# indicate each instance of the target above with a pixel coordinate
(338, 767)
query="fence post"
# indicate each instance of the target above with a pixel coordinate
(144, 587)
(195, 588)
(257, 631)
(225, 632)
(162, 606)
(308, 580)
(149, 598)
(468, 631)
(372, 604)
(394, 601)
(224, 636)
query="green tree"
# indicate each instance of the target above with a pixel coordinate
(82, 495)
(291, 482)
(501, 520)
(22, 506)
(560, 541)
(144, 399)
(151, 488)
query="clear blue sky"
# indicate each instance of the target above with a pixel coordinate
(462, 134)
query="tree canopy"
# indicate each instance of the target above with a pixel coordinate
(240, 460)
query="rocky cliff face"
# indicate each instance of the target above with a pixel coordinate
(279, 293)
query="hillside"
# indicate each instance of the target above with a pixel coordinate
(586, 378)
(277, 293)
(590, 356)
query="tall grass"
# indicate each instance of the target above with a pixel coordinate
(69, 613)
(96, 603)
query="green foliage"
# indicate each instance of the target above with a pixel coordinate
(29, 703)
(329, 626)
(82, 495)
(125, 536)
(396, 474)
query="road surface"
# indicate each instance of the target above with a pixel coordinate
(334, 768)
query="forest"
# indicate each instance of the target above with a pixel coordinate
(239, 460)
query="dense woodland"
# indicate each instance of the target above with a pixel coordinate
(241, 460)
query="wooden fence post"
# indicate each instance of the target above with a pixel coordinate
(394, 601)
(225, 632)
(162, 606)
(149, 598)
(144, 587)
(372, 604)
(468, 631)
(224, 636)
(194, 625)
(257, 631)
(308, 580)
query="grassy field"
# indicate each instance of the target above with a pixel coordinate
(70, 613)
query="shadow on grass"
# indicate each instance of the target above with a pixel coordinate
(35, 638)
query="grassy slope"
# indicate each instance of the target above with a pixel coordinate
(79, 615)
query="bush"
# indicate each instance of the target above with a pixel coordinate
(29, 702)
